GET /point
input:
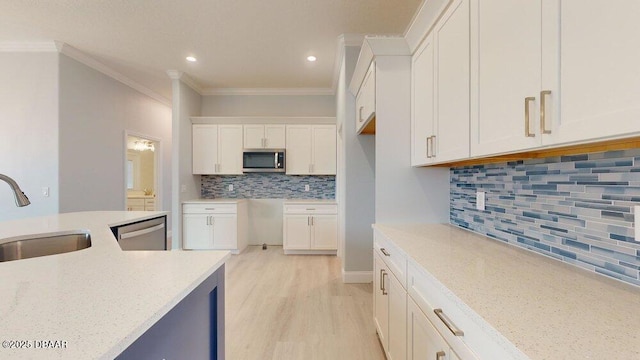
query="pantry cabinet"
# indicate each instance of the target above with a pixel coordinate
(258, 136)
(311, 150)
(217, 149)
(440, 90)
(310, 227)
(366, 102)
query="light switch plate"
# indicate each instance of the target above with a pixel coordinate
(480, 199)
(45, 191)
(183, 188)
(636, 221)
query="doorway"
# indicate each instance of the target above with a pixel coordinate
(142, 185)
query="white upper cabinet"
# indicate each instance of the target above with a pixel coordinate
(264, 136)
(440, 90)
(311, 150)
(422, 102)
(506, 75)
(591, 54)
(205, 148)
(217, 149)
(552, 73)
(366, 101)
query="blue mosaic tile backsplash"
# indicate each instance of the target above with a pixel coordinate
(268, 186)
(577, 209)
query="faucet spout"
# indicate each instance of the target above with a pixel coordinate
(21, 198)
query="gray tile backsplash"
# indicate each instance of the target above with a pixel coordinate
(577, 209)
(268, 186)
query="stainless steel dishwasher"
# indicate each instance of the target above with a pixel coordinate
(150, 234)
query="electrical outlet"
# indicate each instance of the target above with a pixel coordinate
(480, 200)
(45, 191)
(231, 187)
(636, 221)
(306, 188)
(183, 188)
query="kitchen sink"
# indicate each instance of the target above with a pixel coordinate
(43, 245)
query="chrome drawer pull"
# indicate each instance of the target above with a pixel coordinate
(454, 329)
(384, 287)
(543, 111)
(384, 251)
(527, 131)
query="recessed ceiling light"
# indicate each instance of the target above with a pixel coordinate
(311, 58)
(191, 59)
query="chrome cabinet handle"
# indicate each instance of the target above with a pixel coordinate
(440, 354)
(543, 111)
(428, 141)
(384, 288)
(384, 251)
(308, 220)
(312, 221)
(209, 208)
(360, 114)
(454, 329)
(208, 220)
(381, 278)
(527, 100)
(433, 146)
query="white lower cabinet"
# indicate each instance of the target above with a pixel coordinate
(423, 340)
(310, 228)
(214, 226)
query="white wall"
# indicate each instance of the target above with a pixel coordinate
(186, 103)
(403, 194)
(269, 105)
(95, 111)
(357, 180)
(29, 131)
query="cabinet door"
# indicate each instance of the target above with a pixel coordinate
(422, 104)
(423, 340)
(324, 229)
(298, 156)
(205, 148)
(225, 231)
(324, 150)
(595, 56)
(506, 69)
(381, 300)
(197, 232)
(451, 140)
(230, 149)
(253, 136)
(397, 318)
(274, 136)
(366, 99)
(297, 232)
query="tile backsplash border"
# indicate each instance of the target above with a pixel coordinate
(577, 209)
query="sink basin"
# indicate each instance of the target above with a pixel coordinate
(44, 245)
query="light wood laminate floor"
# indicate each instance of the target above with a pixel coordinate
(291, 307)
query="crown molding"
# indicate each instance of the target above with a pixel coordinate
(186, 79)
(343, 41)
(268, 91)
(87, 60)
(423, 21)
(29, 46)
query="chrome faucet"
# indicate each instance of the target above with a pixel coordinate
(21, 198)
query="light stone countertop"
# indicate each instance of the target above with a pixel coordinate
(546, 308)
(100, 299)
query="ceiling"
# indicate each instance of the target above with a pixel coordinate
(239, 44)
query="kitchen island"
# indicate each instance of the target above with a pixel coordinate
(102, 302)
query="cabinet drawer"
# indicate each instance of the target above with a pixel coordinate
(209, 208)
(395, 258)
(135, 202)
(478, 339)
(310, 209)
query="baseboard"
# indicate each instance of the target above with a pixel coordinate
(357, 277)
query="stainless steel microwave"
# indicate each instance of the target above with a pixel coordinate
(263, 160)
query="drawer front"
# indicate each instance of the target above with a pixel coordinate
(135, 202)
(395, 258)
(310, 209)
(210, 208)
(479, 339)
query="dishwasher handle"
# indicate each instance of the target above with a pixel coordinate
(141, 232)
